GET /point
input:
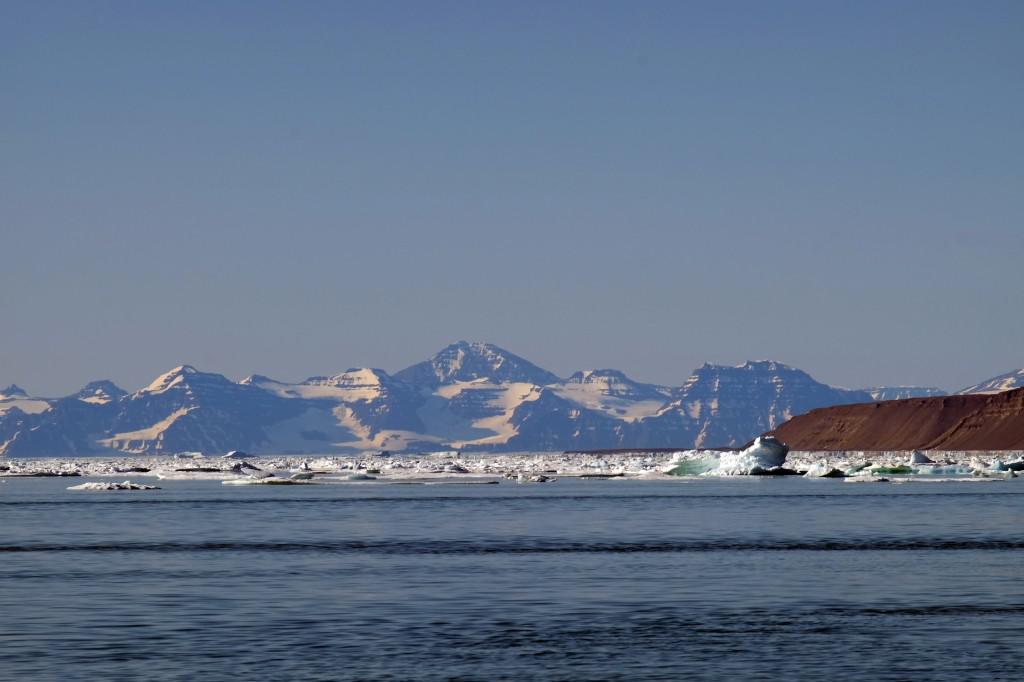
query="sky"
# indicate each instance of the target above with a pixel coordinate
(298, 188)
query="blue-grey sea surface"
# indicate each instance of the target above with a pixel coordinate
(753, 579)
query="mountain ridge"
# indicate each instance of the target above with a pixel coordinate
(468, 395)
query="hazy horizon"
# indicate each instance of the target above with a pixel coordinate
(297, 189)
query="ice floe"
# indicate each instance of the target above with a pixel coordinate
(103, 486)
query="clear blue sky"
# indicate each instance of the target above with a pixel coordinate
(298, 187)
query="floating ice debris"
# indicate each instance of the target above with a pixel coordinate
(235, 454)
(859, 469)
(44, 473)
(360, 477)
(943, 470)
(271, 480)
(994, 473)
(821, 469)
(455, 469)
(251, 470)
(302, 476)
(897, 469)
(125, 485)
(537, 478)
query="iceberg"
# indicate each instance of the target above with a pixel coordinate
(764, 457)
(696, 466)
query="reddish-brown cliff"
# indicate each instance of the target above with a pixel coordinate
(959, 422)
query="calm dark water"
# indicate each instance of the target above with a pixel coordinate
(707, 580)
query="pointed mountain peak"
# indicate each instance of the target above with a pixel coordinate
(470, 361)
(352, 377)
(101, 392)
(183, 375)
(12, 391)
(257, 379)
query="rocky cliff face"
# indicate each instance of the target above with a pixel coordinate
(961, 422)
(467, 396)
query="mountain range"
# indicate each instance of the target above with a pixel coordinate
(468, 396)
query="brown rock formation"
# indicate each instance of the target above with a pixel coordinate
(959, 422)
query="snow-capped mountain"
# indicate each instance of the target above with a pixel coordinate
(16, 398)
(101, 392)
(467, 396)
(1003, 382)
(185, 409)
(361, 409)
(880, 393)
(464, 361)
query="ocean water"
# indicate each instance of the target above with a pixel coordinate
(752, 579)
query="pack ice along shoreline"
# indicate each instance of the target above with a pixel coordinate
(526, 467)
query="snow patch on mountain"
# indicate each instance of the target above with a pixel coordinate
(170, 379)
(484, 409)
(28, 406)
(1003, 382)
(881, 393)
(612, 393)
(145, 439)
(16, 400)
